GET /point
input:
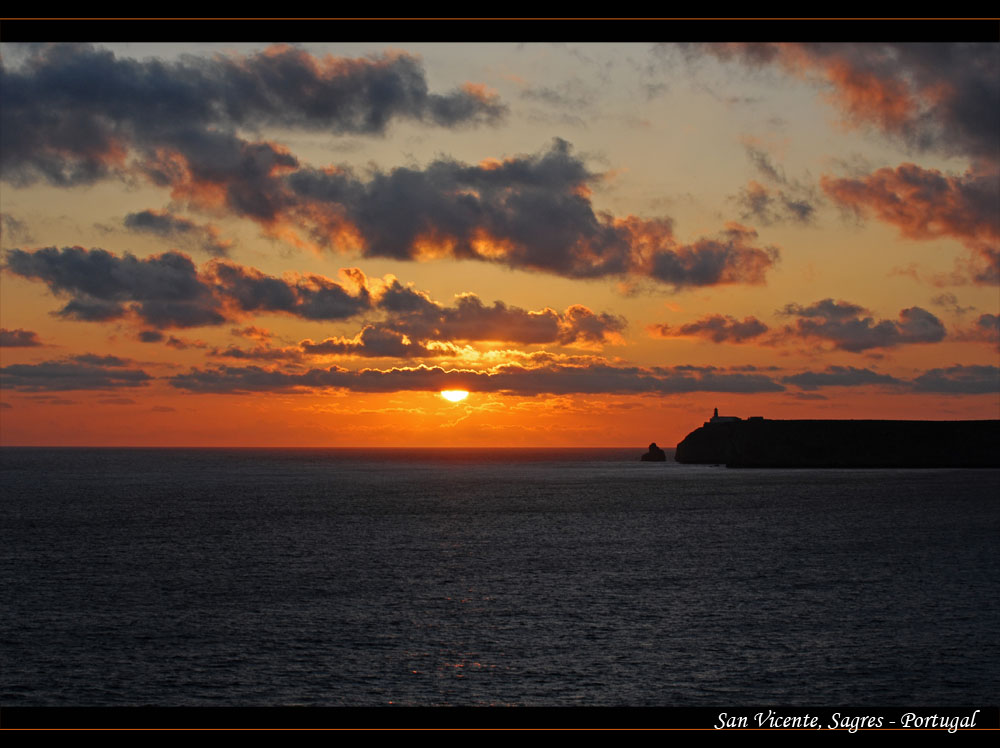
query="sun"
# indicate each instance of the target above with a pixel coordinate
(454, 395)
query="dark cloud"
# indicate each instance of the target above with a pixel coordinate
(163, 290)
(216, 172)
(926, 204)
(825, 309)
(933, 95)
(19, 339)
(155, 336)
(167, 291)
(840, 376)
(258, 353)
(375, 342)
(415, 315)
(528, 212)
(312, 297)
(842, 324)
(72, 113)
(86, 372)
(579, 325)
(715, 327)
(509, 379)
(417, 327)
(989, 322)
(95, 360)
(960, 380)
(181, 230)
(729, 259)
(470, 319)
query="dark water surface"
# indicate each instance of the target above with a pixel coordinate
(541, 577)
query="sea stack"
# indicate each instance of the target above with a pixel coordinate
(655, 454)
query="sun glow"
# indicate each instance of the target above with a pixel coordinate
(454, 395)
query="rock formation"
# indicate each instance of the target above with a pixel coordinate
(655, 454)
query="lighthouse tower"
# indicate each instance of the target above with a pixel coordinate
(716, 418)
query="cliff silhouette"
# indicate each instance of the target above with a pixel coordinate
(760, 442)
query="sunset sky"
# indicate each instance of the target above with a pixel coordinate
(303, 245)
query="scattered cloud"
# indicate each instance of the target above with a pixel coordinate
(781, 199)
(19, 339)
(308, 296)
(252, 332)
(85, 372)
(573, 95)
(931, 96)
(847, 326)
(13, 231)
(769, 206)
(842, 324)
(74, 113)
(986, 329)
(186, 233)
(940, 97)
(162, 290)
(926, 204)
(949, 302)
(715, 327)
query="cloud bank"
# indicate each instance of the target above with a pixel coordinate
(843, 324)
(170, 291)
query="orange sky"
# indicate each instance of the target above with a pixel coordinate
(264, 245)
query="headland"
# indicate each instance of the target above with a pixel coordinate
(762, 442)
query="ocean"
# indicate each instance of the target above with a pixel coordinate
(333, 577)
